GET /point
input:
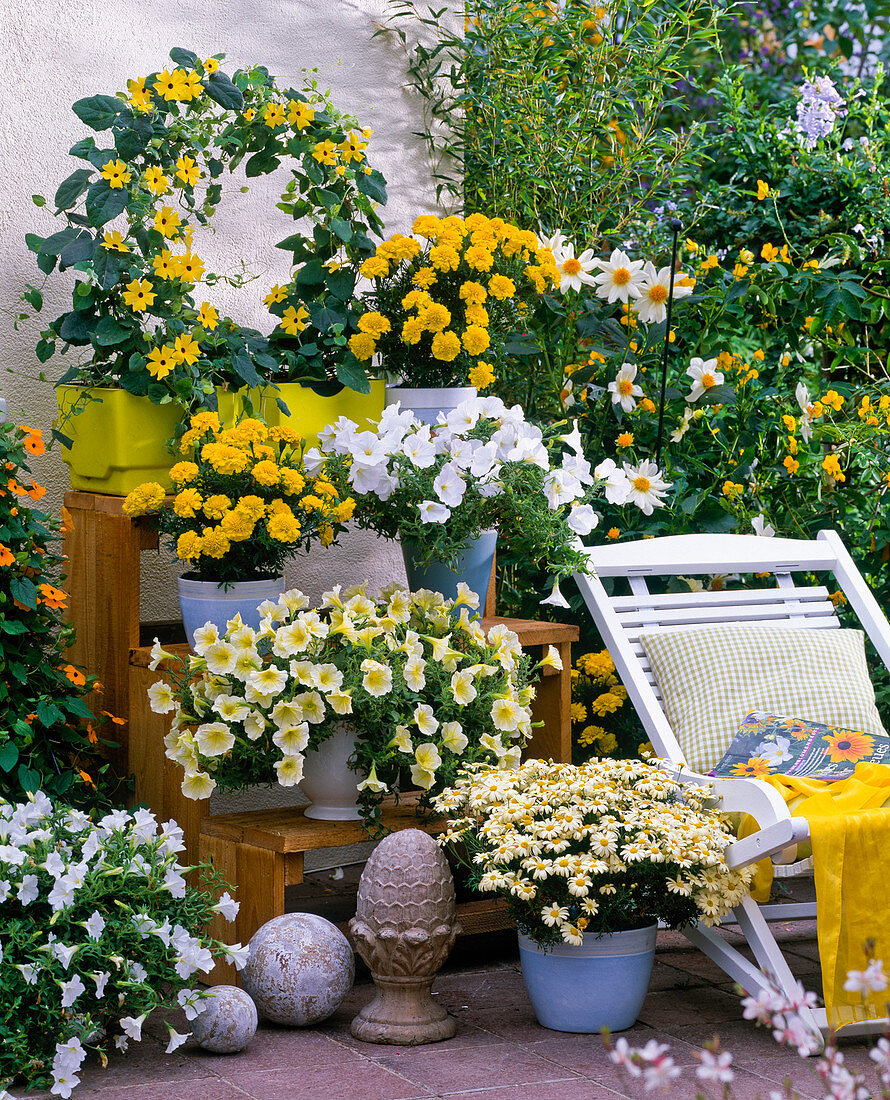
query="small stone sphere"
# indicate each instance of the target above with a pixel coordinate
(227, 1022)
(299, 969)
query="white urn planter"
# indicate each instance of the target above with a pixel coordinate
(328, 781)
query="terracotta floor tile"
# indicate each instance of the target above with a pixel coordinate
(442, 1071)
(274, 1048)
(353, 1081)
(574, 1089)
(687, 1006)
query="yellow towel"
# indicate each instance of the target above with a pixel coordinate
(850, 836)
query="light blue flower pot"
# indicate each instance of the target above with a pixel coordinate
(426, 404)
(205, 601)
(473, 568)
(602, 983)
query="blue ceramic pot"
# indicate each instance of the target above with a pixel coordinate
(473, 568)
(206, 601)
(602, 983)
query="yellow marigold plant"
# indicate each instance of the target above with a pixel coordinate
(445, 300)
(242, 500)
(598, 706)
(608, 845)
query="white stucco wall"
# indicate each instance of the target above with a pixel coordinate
(53, 52)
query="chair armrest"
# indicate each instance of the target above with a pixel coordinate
(778, 829)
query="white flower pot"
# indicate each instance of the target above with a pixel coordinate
(206, 601)
(426, 404)
(328, 781)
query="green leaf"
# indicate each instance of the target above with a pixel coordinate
(81, 248)
(34, 298)
(33, 242)
(353, 374)
(13, 626)
(23, 590)
(130, 142)
(48, 713)
(373, 185)
(311, 274)
(45, 350)
(341, 283)
(76, 328)
(53, 245)
(109, 332)
(180, 56)
(342, 228)
(260, 164)
(719, 395)
(38, 200)
(29, 779)
(70, 190)
(99, 111)
(295, 242)
(9, 756)
(244, 368)
(223, 91)
(105, 203)
(328, 199)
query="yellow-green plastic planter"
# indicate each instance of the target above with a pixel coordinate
(118, 441)
(308, 412)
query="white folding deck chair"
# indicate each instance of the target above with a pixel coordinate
(621, 619)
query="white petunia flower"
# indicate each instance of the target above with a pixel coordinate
(761, 527)
(449, 485)
(433, 511)
(160, 698)
(71, 990)
(132, 1026)
(95, 925)
(214, 738)
(617, 485)
(289, 770)
(582, 519)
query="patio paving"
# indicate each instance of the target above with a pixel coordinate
(499, 1053)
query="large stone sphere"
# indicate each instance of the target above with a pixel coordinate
(227, 1022)
(299, 969)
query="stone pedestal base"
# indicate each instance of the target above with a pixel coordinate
(403, 1013)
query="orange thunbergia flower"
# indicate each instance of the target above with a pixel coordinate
(33, 440)
(6, 555)
(74, 675)
(117, 721)
(88, 779)
(53, 597)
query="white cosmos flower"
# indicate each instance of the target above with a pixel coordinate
(806, 417)
(449, 485)
(704, 377)
(290, 770)
(214, 738)
(582, 519)
(623, 389)
(647, 486)
(574, 271)
(651, 306)
(619, 277)
(683, 426)
(198, 785)
(433, 511)
(453, 737)
(160, 698)
(425, 720)
(761, 527)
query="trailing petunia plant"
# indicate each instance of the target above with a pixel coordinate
(422, 685)
(99, 929)
(49, 738)
(142, 315)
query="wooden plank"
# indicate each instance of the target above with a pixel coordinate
(532, 632)
(289, 830)
(552, 706)
(293, 868)
(102, 580)
(224, 857)
(487, 915)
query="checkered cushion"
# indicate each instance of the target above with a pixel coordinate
(711, 677)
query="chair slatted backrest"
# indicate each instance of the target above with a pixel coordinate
(622, 619)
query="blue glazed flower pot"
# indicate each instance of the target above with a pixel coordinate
(473, 568)
(206, 601)
(602, 983)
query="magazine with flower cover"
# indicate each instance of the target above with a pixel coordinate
(770, 743)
